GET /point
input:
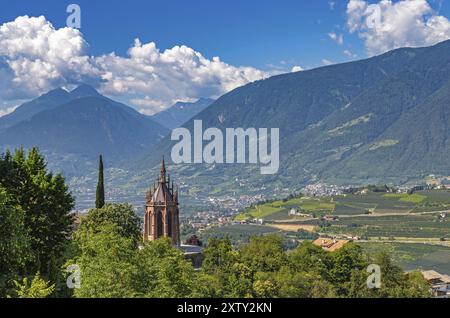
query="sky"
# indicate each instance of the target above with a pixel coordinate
(150, 54)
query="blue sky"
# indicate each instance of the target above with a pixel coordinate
(253, 39)
(261, 33)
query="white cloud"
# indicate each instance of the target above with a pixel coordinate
(338, 38)
(327, 62)
(349, 54)
(332, 4)
(161, 78)
(7, 110)
(387, 25)
(35, 57)
(297, 68)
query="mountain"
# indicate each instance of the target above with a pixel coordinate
(47, 101)
(383, 119)
(85, 124)
(181, 112)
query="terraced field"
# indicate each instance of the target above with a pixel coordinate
(399, 226)
(279, 210)
(374, 215)
(411, 227)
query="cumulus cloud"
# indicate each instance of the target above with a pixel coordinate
(297, 68)
(327, 62)
(36, 57)
(387, 25)
(158, 78)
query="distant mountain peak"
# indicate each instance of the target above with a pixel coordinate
(84, 90)
(56, 92)
(181, 112)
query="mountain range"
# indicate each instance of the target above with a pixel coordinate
(383, 119)
(73, 128)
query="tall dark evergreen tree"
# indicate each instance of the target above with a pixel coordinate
(100, 197)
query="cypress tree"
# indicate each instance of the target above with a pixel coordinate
(100, 195)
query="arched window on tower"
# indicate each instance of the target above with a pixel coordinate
(159, 225)
(169, 223)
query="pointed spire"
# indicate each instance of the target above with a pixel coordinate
(175, 196)
(149, 195)
(163, 171)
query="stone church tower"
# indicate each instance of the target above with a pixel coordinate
(161, 210)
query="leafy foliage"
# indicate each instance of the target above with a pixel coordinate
(37, 288)
(44, 203)
(121, 215)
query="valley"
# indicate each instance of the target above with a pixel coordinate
(406, 223)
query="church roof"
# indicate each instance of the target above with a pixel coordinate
(162, 194)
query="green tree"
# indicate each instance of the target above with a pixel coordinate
(223, 267)
(122, 215)
(416, 286)
(163, 271)
(219, 255)
(37, 288)
(100, 193)
(345, 261)
(397, 284)
(264, 253)
(107, 263)
(46, 203)
(308, 257)
(207, 286)
(14, 243)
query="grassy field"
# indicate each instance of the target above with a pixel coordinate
(238, 232)
(410, 198)
(280, 209)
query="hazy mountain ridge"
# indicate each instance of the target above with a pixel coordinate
(181, 112)
(383, 119)
(80, 129)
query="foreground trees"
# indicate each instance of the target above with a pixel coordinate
(112, 265)
(37, 244)
(37, 212)
(263, 269)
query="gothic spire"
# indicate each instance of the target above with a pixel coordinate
(175, 196)
(163, 171)
(149, 196)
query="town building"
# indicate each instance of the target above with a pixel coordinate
(162, 218)
(161, 210)
(330, 244)
(439, 283)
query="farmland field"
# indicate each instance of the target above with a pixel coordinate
(374, 215)
(422, 226)
(238, 232)
(415, 256)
